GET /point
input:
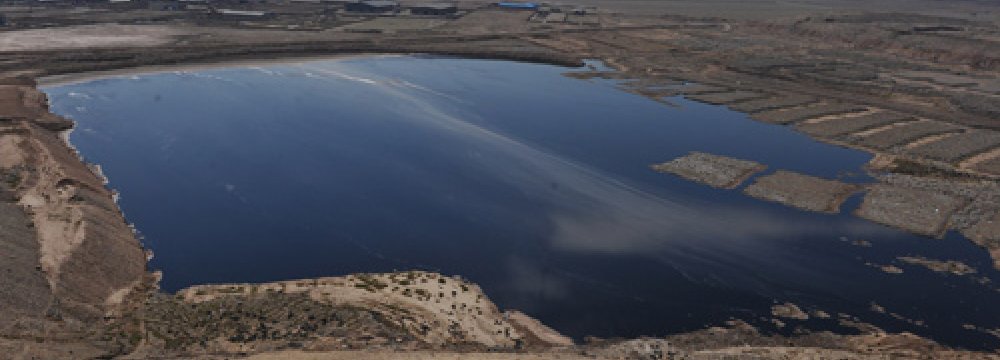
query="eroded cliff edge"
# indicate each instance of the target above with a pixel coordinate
(71, 261)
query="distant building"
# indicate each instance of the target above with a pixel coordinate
(195, 5)
(229, 14)
(198, 8)
(517, 5)
(434, 9)
(372, 6)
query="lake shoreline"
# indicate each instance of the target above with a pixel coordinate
(237, 62)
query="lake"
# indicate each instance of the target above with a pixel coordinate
(533, 184)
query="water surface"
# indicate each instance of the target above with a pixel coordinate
(535, 185)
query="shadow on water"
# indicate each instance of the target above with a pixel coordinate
(535, 185)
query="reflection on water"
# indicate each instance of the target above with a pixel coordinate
(532, 184)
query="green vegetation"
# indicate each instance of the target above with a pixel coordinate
(370, 283)
(11, 178)
(282, 318)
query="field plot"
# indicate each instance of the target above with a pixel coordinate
(838, 127)
(712, 170)
(787, 116)
(902, 134)
(919, 211)
(959, 146)
(802, 191)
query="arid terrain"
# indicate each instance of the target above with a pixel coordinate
(917, 83)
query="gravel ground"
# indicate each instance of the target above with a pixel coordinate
(88, 37)
(991, 166)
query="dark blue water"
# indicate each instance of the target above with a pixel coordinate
(533, 184)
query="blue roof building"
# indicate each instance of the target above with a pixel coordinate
(517, 5)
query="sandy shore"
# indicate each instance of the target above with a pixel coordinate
(81, 77)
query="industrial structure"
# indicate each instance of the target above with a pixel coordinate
(516, 5)
(372, 6)
(230, 14)
(434, 9)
